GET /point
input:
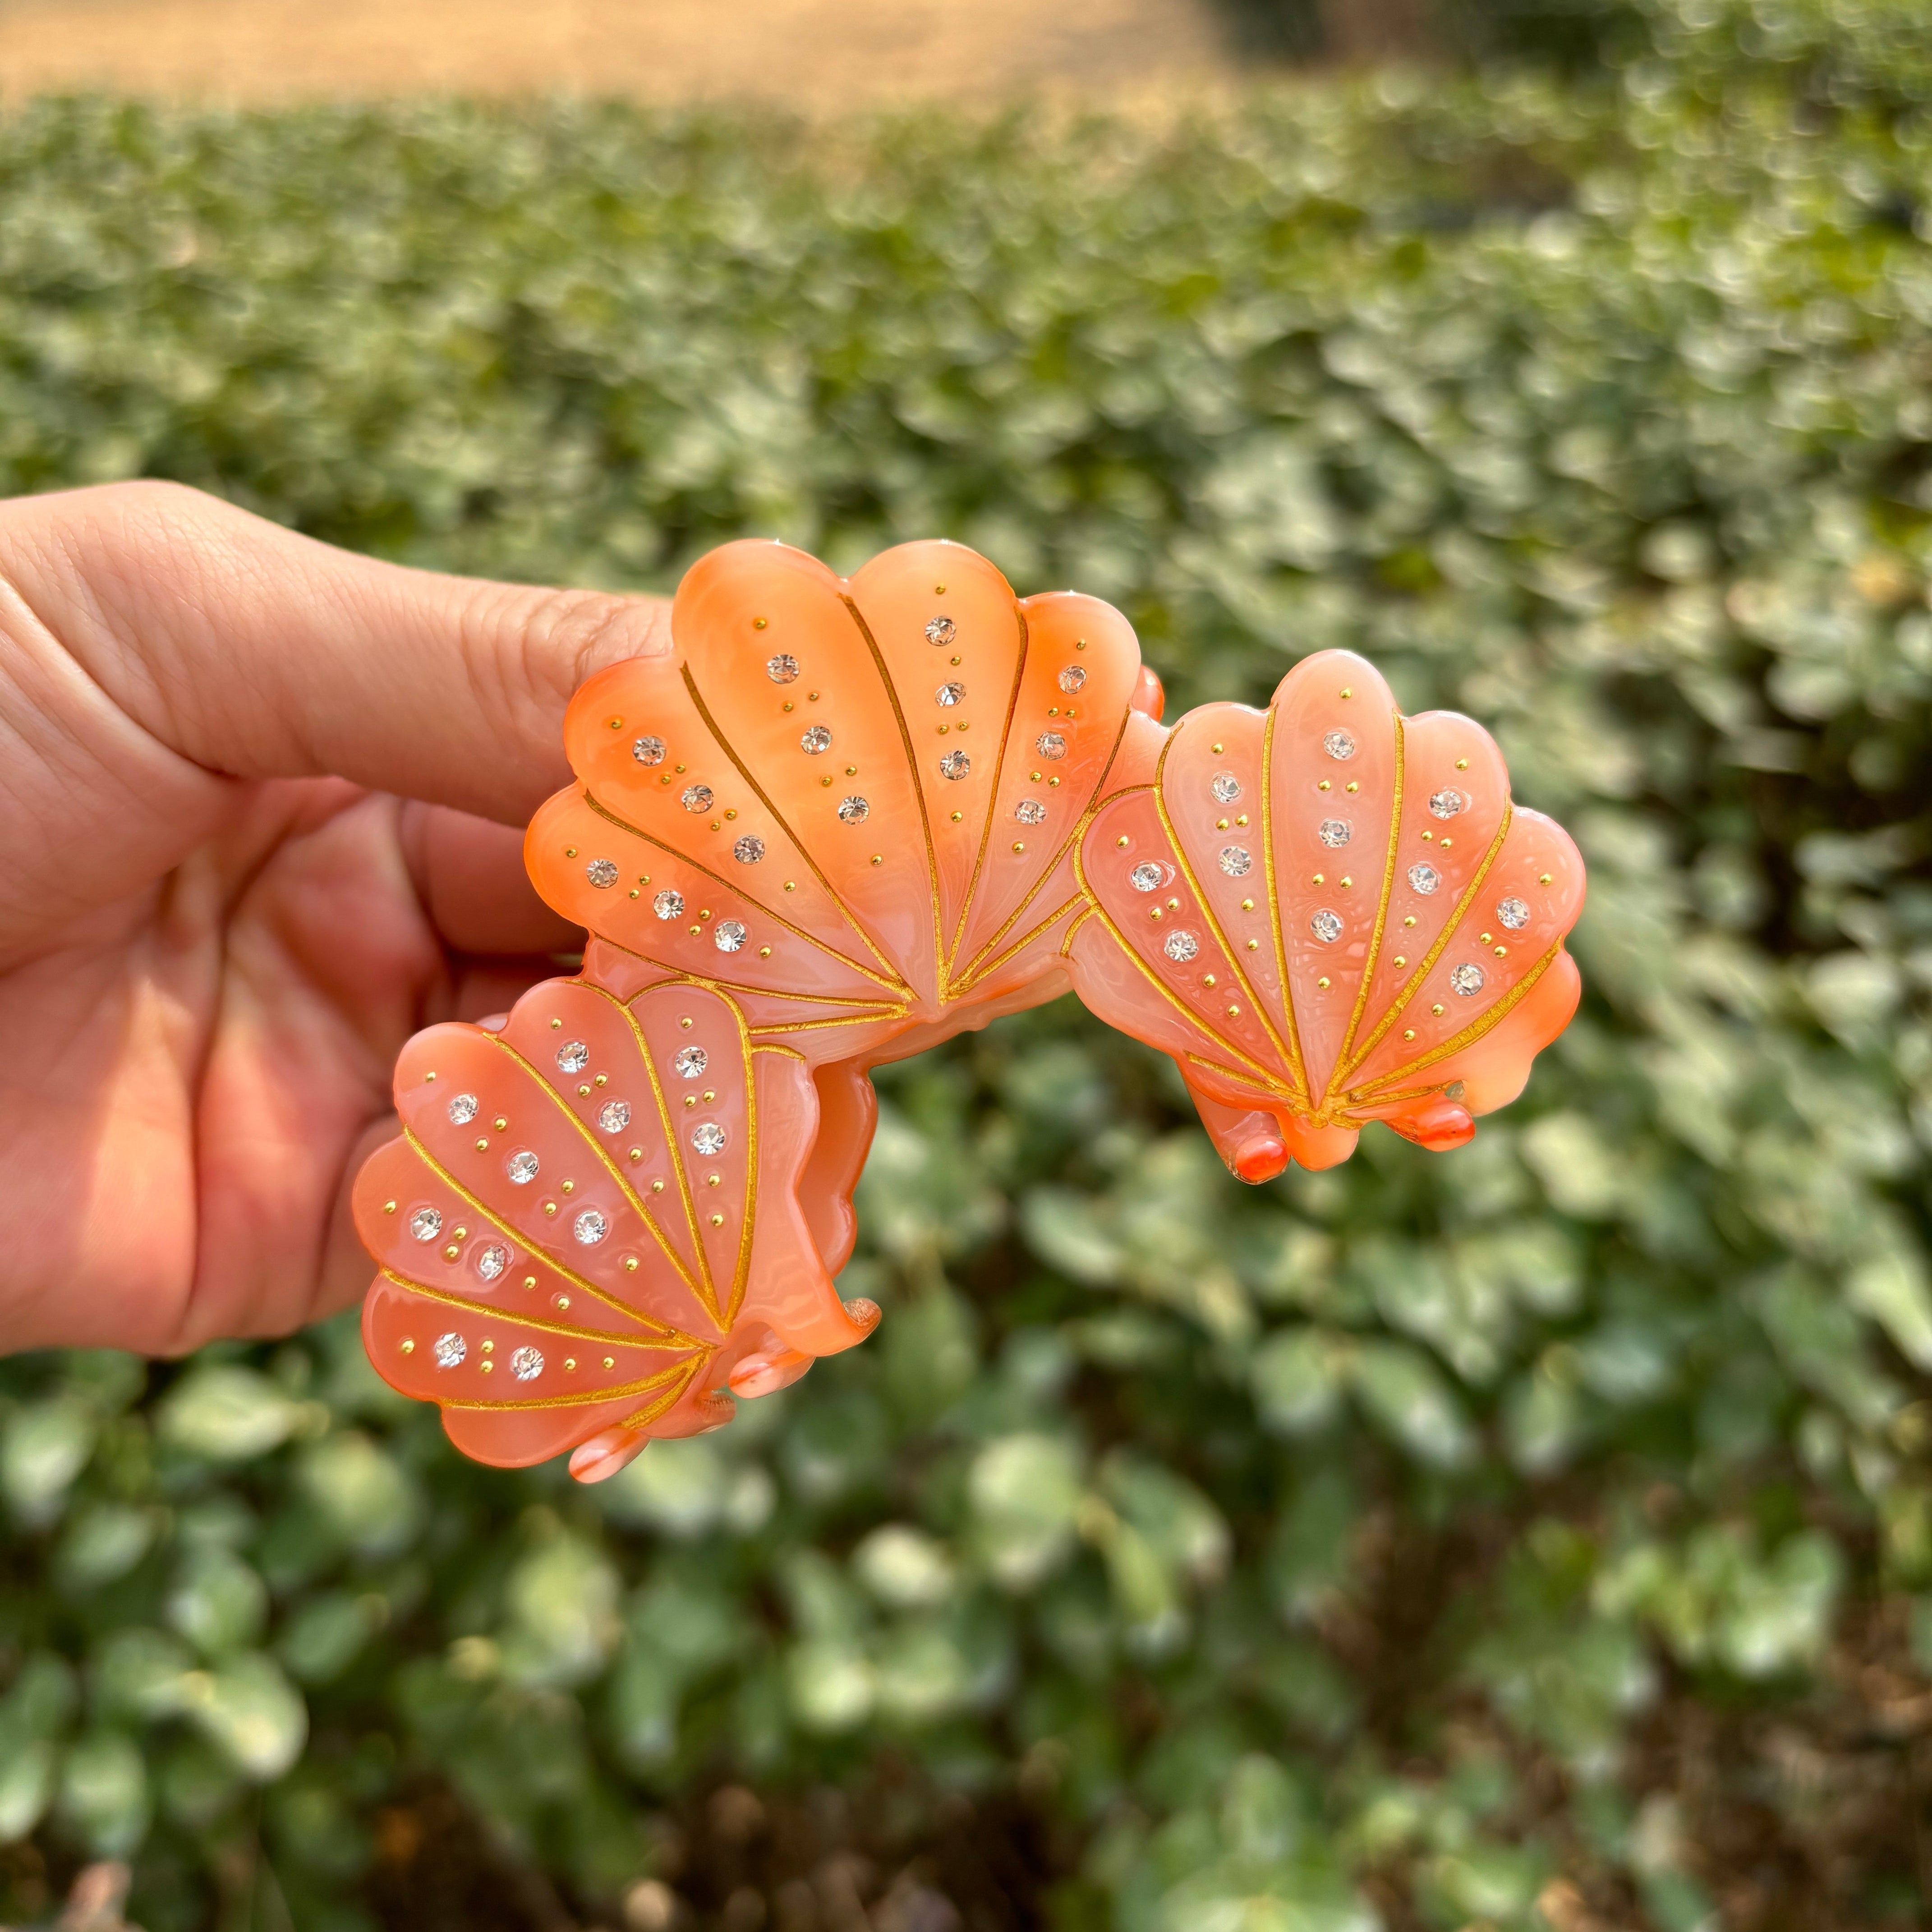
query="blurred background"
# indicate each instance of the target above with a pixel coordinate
(1535, 1538)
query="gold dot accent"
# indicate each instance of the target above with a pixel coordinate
(1426, 837)
(570, 1187)
(957, 817)
(1446, 843)
(1079, 644)
(1352, 786)
(569, 1363)
(610, 1361)
(634, 892)
(431, 1076)
(1254, 945)
(1346, 880)
(1217, 748)
(1206, 979)
(1462, 764)
(489, 1348)
(1437, 1010)
(389, 1206)
(630, 1263)
(450, 1253)
(409, 1347)
(1348, 691)
(1502, 951)
(603, 1079)
(482, 1146)
(790, 886)
(1234, 1013)
(563, 1301)
(637, 1155)
(1320, 879)
(852, 771)
(712, 1179)
(582, 1089)
(1055, 783)
(1323, 786)
(1487, 939)
(1400, 960)
(878, 858)
(550, 1206)
(1018, 847)
(1247, 905)
(657, 1187)
(1543, 879)
(684, 1021)
(691, 1099)
(570, 851)
(955, 660)
(1410, 920)
(764, 952)
(758, 623)
(1409, 1032)
(1174, 905)
(718, 1220)
(939, 590)
(616, 723)
(1323, 984)
(732, 813)
(529, 1281)
(1157, 913)
(501, 1123)
(1034, 776)
(1242, 820)
(556, 1023)
(1220, 825)
(486, 1367)
(811, 697)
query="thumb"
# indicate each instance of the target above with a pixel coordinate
(259, 653)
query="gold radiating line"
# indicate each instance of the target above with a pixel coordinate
(503, 1227)
(672, 1397)
(1381, 911)
(749, 1199)
(919, 792)
(1297, 1067)
(683, 1344)
(993, 797)
(584, 1398)
(804, 851)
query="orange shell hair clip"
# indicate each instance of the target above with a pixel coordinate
(838, 821)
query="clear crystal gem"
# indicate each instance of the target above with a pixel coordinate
(573, 1056)
(1180, 946)
(1051, 745)
(1334, 832)
(1030, 811)
(1071, 679)
(730, 935)
(521, 1168)
(492, 1262)
(815, 739)
(1338, 744)
(462, 1109)
(649, 751)
(689, 1062)
(1236, 861)
(1466, 978)
(602, 873)
(782, 669)
(940, 631)
(668, 904)
(1226, 788)
(708, 1138)
(697, 798)
(748, 850)
(853, 811)
(614, 1116)
(425, 1224)
(948, 695)
(526, 1364)
(1423, 879)
(1148, 877)
(955, 765)
(449, 1350)
(1513, 913)
(590, 1227)
(1326, 925)
(1447, 802)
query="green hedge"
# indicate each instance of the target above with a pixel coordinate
(1551, 1520)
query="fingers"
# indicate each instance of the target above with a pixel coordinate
(255, 652)
(469, 873)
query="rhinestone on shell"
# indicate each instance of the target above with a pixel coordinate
(590, 1227)
(1513, 913)
(521, 1168)
(697, 798)
(1226, 788)
(1466, 978)
(527, 1364)
(853, 811)
(425, 1224)
(602, 873)
(1236, 861)
(1071, 679)
(1338, 744)
(649, 751)
(1334, 832)
(493, 1261)
(940, 630)
(1182, 947)
(748, 850)
(573, 1056)
(1326, 925)
(1423, 879)
(1148, 877)
(462, 1109)
(449, 1350)
(782, 669)
(668, 904)
(1447, 802)
(955, 765)
(950, 694)
(730, 935)
(1030, 811)
(815, 739)
(1051, 745)
(614, 1116)
(689, 1062)
(707, 1137)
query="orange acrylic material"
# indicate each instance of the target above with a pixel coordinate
(839, 820)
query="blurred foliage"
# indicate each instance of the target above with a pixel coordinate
(1536, 1536)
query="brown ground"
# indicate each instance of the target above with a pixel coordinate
(817, 54)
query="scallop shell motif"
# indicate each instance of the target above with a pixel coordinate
(1290, 1040)
(936, 900)
(615, 1295)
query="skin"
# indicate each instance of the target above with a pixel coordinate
(263, 804)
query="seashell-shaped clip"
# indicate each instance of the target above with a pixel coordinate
(1356, 923)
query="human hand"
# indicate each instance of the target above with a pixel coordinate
(262, 802)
